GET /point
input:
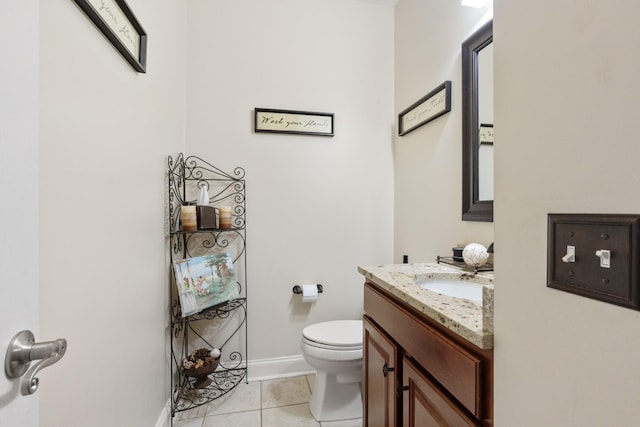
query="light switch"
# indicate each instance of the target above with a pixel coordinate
(605, 258)
(596, 256)
(571, 254)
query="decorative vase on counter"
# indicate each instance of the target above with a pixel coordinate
(475, 255)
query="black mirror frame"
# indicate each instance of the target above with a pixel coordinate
(472, 208)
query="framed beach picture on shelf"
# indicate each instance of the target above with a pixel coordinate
(205, 281)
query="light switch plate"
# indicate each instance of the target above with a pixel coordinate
(589, 233)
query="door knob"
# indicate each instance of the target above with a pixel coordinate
(23, 350)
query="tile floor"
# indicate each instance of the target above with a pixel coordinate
(272, 403)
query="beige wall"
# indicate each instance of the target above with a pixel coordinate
(317, 207)
(566, 141)
(428, 174)
(105, 132)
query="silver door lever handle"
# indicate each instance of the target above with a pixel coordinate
(23, 350)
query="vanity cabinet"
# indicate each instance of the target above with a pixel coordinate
(417, 372)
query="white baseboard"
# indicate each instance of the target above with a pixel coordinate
(278, 367)
(164, 420)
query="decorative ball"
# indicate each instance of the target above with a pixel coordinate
(475, 254)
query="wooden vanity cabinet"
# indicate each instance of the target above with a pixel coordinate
(418, 373)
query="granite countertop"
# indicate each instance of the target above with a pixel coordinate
(470, 320)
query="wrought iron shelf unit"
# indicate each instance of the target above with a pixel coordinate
(186, 176)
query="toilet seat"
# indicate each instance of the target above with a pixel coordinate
(337, 335)
(331, 347)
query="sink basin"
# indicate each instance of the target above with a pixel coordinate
(454, 288)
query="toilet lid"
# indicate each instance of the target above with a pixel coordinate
(338, 333)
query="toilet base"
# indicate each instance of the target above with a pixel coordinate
(332, 400)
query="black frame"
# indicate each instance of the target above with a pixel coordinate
(140, 63)
(485, 126)
(472, 208)
(283, 113)
(446, 86)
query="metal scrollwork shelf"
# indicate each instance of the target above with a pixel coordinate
(223, 326)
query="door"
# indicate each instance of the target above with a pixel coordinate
(19, 194)
(426, 405)
(380, 358)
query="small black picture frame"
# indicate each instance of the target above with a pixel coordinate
(485, 135)
(293, 121)
(429, 107)
(119, 25)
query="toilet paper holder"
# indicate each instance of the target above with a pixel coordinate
(297, 289)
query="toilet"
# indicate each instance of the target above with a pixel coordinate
(334, 349)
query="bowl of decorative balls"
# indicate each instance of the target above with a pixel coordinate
(200, 364)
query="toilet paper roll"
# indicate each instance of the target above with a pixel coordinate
(309, 293)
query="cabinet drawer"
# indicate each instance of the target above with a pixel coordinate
(456, 369)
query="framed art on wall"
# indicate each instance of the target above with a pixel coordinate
(429, 107)
(486, 133)
(295, 122)
(119, 25)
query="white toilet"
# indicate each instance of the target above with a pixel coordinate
(334, 348)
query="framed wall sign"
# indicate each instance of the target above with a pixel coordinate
(486, 133)
(120, 27)
(296, 122)
(429, 107)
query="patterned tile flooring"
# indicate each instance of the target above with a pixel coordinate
(271, 403)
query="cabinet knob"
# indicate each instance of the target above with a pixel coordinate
(386, 369)
(400, 388)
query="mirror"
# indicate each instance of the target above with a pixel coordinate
(477, 125)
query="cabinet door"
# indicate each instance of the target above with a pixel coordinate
(425, 405)
(380, 358)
